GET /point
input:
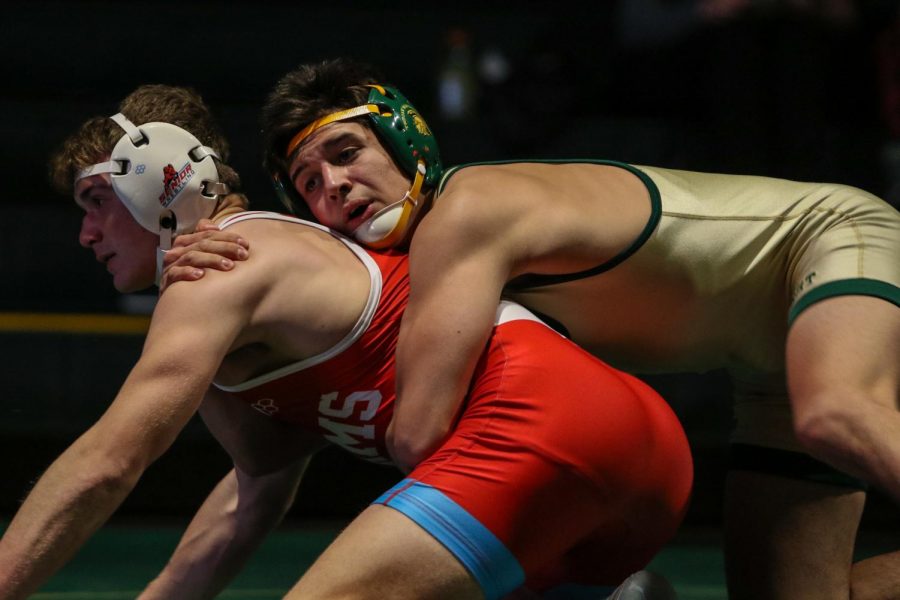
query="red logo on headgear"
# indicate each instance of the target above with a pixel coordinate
(170, 176)
(174, 181)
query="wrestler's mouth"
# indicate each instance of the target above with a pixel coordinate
(358, 214)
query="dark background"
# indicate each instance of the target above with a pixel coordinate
(803, 90)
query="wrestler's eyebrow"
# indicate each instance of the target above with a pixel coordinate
(82, 196)
(327, 145)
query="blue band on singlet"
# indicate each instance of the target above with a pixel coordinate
(480, 552)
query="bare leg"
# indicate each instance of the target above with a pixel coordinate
(383, 554)
(876, 578)
(788, 539)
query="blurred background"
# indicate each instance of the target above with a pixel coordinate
(801, 89)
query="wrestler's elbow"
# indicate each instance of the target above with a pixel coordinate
(829, 430)
(409, 448)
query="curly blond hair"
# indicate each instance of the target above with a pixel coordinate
(95, 139)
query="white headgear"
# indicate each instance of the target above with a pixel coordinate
(164, 176)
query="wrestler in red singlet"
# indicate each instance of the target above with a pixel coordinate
(559, 468)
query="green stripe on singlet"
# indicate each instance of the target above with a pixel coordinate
(846, 287)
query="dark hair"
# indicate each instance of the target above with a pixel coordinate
(307, 93)
(97, 136)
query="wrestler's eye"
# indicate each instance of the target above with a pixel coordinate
(311, 184)
(94, 201)
(346, 155)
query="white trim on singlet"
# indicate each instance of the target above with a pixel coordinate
(362, 323)
(510, 311)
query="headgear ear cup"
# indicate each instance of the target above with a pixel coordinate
(405, 133)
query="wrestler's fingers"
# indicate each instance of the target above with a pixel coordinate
(189, 239)
(211, 254)
(177, 273)
(219, 257)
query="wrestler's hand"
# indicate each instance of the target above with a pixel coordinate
(206, 248)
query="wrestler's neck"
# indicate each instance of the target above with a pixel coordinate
(229, 205)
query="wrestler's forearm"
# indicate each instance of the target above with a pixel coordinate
(432, 379)
(200, 565)
(75, 496)
(448, 321)
(230, 525)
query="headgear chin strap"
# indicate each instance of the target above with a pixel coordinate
(387, 227)
(409, 140)
(164, 176)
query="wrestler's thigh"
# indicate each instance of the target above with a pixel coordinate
(788, 538)
(843, 347)
(876, 578)
(383, 554)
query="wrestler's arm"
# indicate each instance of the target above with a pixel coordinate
(85, 485)
(459, 263)
(232, 523)
(843, 377)
(270, 458)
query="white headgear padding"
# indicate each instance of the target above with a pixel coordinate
(164, 176)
